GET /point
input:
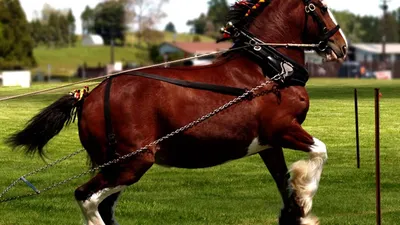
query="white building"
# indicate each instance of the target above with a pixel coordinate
(369, 52)
(92, 40)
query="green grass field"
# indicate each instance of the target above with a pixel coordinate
(238, 192)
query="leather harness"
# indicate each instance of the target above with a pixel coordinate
(275, 65)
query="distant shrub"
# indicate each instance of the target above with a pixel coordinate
(196, 38)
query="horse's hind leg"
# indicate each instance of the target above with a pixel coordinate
(106, 184)
(91, 194)
(305, 174)
(275, 162)
(106, 209)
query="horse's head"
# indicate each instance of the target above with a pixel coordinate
(320, 26)
(292, 21)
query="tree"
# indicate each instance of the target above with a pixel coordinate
(71, 28)
(87, 18)
(350, 25)
(371, 25)
(55, 28)
(392, 34)
(217, 11)
(398, 20)
(211, 23)
(170, 27)
(16, 44)
(147, 13)
(198, 25)
(109, 21)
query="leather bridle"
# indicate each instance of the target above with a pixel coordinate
(326, 34)
(310, 8)
(266, 56)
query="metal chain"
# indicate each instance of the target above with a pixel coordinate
(39, 170)
(251, 92)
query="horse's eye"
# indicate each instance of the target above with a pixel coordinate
(324, 9)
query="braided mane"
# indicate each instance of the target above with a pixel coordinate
(243, 12)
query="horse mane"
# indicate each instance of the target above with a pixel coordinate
(243, 12)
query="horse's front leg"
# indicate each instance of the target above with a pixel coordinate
(275, 162)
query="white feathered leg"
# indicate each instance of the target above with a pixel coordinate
(90, 206)
(305, 177)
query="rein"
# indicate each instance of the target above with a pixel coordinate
(287, 45)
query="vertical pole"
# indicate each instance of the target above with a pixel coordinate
(112, 51)
(385, 8)
(357, 129)
(377, 160)
(48, 72)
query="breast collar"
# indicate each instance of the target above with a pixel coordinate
(274, 64)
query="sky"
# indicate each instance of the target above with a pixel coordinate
(180, 11)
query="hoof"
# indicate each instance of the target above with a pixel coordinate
(310, 220)
(289, 217)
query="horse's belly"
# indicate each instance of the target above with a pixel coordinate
(194, 153)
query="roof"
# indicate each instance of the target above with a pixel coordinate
(91, 39)
(199, 47)
(391, 48)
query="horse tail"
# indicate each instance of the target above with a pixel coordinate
(48, 123)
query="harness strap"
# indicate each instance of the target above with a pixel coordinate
(111, 139)
(226, 90)
(330, 33)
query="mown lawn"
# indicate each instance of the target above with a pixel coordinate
(238, 192)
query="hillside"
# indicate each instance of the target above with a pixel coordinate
(169, 37)
(65, 61)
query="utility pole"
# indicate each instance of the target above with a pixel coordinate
(384, 7)
(112, 46)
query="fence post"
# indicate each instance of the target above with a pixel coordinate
(377, 160)
(357, 129)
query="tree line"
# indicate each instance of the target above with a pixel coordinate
(112, 19)
(369, 29)
(16, 44)
(55, 28)
(357, 28)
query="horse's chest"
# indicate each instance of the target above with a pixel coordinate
(189, 152)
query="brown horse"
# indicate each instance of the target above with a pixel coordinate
(129, 111)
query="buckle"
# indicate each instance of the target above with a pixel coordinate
(310, 8)
(112, 140)
(322, 46)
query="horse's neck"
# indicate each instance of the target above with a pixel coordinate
(295, 54)
(272, 27)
